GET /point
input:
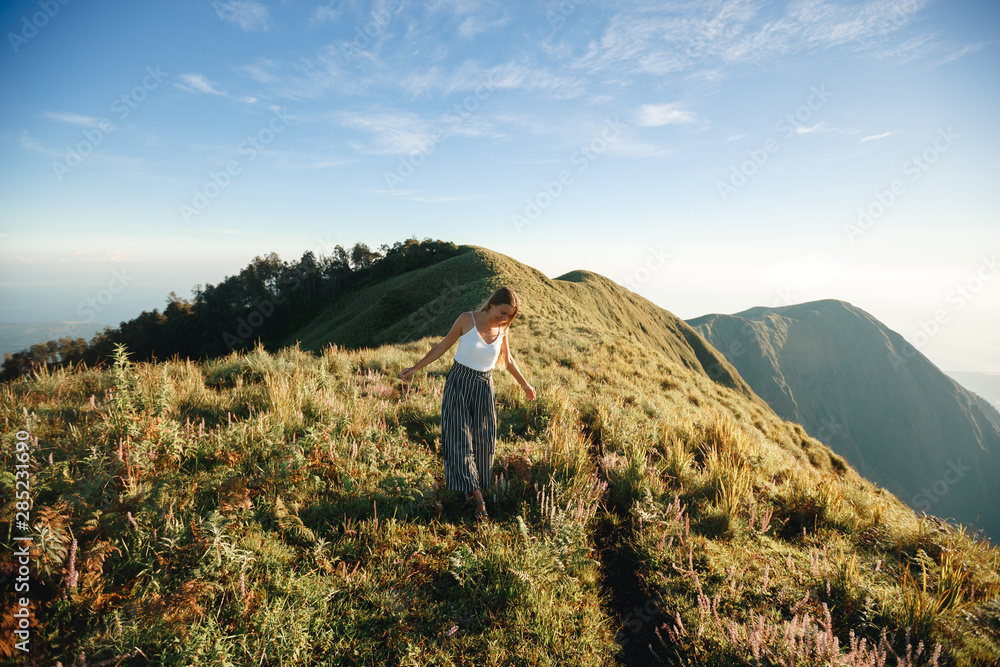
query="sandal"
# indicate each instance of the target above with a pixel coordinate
(480, 515)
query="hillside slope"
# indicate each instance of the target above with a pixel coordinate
(859, 387)
(425, 302)
(286, 509)
(987, 385)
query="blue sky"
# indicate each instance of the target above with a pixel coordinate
(712, 156)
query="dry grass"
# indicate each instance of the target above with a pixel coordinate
(212, 503)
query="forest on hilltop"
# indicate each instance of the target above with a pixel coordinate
(262, 303)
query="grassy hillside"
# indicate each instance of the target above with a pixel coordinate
(859, 387)
(426, 302)
(286, 508)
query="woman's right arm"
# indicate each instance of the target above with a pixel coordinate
(436, 351)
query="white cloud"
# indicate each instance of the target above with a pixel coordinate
(247, 14)
(306, 78)
(907, 51)
(324, 14)
(661, 38)
(406, 133)
(420, 83)
(809, 129)
(108, 256)
(657, 115)
(395, 132)
(874, 137)
(130, 164)
(30, 144)
(316, 76)
(476, 16)
(955, 55)
(634, 44)
(72, 257)
(261, 71)
(316, 157)
(470, 76)
(474, 25)
(626, 148)
(74, 119)
(198, 83)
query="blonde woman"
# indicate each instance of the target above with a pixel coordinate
(468, 407)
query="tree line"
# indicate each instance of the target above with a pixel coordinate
(264, 302)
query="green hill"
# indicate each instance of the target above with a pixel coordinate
(426, 302)
(285, 508)
(859, 387)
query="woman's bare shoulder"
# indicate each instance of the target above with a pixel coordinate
(465, 322)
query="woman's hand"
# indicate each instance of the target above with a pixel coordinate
(408, 373)
(530, 391)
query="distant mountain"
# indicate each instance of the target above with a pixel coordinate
(986, 385)
(426, 301)
(17, 336)
(861, 388)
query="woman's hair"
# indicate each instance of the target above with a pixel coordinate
(504, 296)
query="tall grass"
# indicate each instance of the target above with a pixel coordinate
(282, 508)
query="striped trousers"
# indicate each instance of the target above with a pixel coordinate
(468, 428)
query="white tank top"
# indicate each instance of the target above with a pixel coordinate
(476, 353)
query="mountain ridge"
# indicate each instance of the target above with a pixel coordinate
(985, 385)
(398, 309)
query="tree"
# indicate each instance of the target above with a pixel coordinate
(362, 257)
(266, 300)
(72, 350)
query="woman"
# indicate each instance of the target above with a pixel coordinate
(468, 407)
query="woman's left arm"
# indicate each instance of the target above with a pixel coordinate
(512, 367)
